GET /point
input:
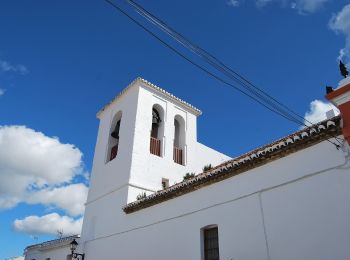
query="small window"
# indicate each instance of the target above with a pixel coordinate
(211, 243)
(165, 183)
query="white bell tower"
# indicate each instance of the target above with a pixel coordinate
(147, 140)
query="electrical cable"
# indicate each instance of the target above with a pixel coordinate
(190, 61)
(216, 63)
(204, 54)
(208, 57)
(272, 109)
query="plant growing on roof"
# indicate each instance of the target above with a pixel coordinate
(189, 175)
(141, 196)
(207, 167)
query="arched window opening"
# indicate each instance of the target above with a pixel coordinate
(177, 133)
(210, 243)
(179, 140)
(113, 142)
(156, 131)
(155, 123)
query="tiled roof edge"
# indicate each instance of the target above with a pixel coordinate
(195, 110)
(51, 242)
(294, 142)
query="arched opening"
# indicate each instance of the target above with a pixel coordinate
(113, 141)
(155, 123)
(157, 130)
(179, 140)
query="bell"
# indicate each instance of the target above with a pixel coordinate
(155, 117)
(115, 135)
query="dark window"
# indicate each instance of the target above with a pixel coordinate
(165, 183)
(211, 244)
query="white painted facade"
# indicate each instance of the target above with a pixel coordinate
(16, 258)
(294, 207)
(272, 212)
(58, 249)
(135, 168)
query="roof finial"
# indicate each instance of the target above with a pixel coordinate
(343, 70)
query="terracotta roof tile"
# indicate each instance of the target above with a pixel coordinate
(260, 156)
(195, 110)
(50, 243)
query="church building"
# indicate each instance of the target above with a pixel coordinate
(156, 193)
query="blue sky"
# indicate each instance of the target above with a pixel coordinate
(61, 61)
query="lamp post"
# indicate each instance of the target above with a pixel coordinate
(73, 246)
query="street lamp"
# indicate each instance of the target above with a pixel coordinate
(73, 246)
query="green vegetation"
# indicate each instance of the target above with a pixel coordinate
(207, 167)
(189, 175)
(141, 196)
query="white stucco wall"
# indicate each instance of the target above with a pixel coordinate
(16, 258)
(52, 252)
(291, 208)
(296, 207)
(147, 170)
(109, 175)
(203, 153)
(134, 164)
(272, 212)
(135, 169)
(33, 254)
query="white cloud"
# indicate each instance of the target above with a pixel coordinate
(71, 198)
(48, 224)
(317, 112)
(262, 3)
(340, 23)
(2, 91)
(234, 3)
(16, 258)
(309, 6)
(302, 6)
(35, 168)
(8, 67)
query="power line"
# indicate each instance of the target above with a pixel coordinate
(220, 66)
(274, 108)
(190, 61)
(216, 63)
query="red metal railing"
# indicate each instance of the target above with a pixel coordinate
(155, 146)
(114, 152)
(177, 154)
